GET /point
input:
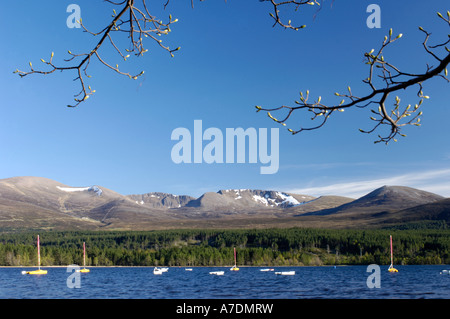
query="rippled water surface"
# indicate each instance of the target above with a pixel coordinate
(349, 282)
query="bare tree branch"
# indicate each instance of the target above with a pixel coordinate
(138, 24)
(383, 79)
(135, 20)
(289, 3)
(392, 80)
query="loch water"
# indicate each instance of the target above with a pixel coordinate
(342, 282)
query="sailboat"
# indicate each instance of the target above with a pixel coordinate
(84, 260)
(234, 268)
(39, 271)
(391, 267)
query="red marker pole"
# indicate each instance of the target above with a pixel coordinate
(392, 254)
(39, 253)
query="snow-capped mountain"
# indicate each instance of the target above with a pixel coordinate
(249, 198)
(41, 203)
(267, 198)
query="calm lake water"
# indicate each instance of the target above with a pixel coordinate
(348, 282)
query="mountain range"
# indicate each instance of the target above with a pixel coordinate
(37, 203)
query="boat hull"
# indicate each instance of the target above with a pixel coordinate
(285, 273)
(392, 270)
(83, 270)
(36, 272)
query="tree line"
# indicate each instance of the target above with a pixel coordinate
(261, 247)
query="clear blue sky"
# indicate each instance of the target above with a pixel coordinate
(231, 59)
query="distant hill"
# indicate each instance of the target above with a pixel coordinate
(438, 210)
(248, 199)
(319, 204)
(36, 203)
(161, 200)
(384, 199)
(41, 203)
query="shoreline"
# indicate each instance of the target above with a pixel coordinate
(173, 267)
(323, 266)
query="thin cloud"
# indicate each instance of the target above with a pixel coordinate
(436, 181)
(329, 165)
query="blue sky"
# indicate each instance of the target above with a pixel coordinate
(231, 59)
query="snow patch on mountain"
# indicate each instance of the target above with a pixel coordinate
(265, 198)
(260, 199)
(288, 199)
(277, 199)
(94, 189)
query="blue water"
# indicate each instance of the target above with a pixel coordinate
(348, 282)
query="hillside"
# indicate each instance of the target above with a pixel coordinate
(438, 210)
(248, 199)
(161, 200)
(36, 202)
(30, 203)
(384, 199)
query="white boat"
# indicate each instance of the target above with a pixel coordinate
(188, 269)
(267, 269)
(163, 269)
(157, 271)
(217, 273)
(285, 273)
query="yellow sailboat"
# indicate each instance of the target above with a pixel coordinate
(234, 268)
(84, 260)
(391, 267)
(39, 271)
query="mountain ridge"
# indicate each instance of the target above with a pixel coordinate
(385, 198)
(28, 202)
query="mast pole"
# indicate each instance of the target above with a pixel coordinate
(84, 254)
(392, 255)
(39, 253)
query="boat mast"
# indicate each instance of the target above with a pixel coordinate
(392, 255)
(39, 253)
(84, 254)
(235, 257)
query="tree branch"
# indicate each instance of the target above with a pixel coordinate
(393, 80)
(141, 24)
